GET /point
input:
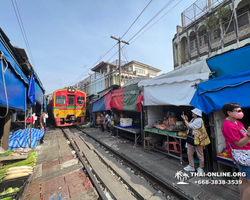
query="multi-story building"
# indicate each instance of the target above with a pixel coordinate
(209, 28)
(107, 74)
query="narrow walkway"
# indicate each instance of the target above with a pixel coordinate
(57, 173)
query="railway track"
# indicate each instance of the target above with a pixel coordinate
(128, 187)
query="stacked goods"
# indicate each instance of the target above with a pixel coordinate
(160, 126)
(165, 123)
(19, 169)
(126, 121)
(7, 153)
(10, 190)
(172, 121)
(98, 118)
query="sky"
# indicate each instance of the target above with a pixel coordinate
(68, 37)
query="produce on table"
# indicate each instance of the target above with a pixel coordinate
(10, 190)
(6, 153)
(19, 169)
(7, 198)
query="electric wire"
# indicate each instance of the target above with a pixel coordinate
(156, 21)
(153, 24)
(19, 19)
(137, 18)
(168, 4)
(157, 14)
(94, 64)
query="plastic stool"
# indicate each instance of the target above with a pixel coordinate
(173, 146)
(147, 145)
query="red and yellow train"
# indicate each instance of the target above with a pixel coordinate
(67, 107)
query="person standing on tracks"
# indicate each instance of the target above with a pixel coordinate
(42, 124)
(107, 121)
(102, 125)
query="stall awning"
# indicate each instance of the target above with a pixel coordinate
(127, 99)
(213, 94)
(230, 62)
(103, 103)
(38, 93)
(12, 82)
(14, 65)
(176, 87)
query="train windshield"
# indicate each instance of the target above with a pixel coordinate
(60, 99)
(80, 100)
(71, 100)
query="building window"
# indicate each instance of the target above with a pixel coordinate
(229, 28)
(205, 39)
(243, 20)
(141, 71)
(192, 45)
(216, 33)
(200, 39)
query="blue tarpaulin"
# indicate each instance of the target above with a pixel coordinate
(38, 93)
(10, 59)
(230, 62)
(99, 105)
(17, 139)
(213, 94)
(13, 87)
(38, 81)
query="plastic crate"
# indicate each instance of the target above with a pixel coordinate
(147, 129)
(171, 133)
(155, 130)
(126, 121)
(163, 131)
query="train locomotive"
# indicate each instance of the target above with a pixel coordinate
(67, 107)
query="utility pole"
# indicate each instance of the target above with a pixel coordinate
(119, 41)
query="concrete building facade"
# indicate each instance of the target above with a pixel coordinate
(209, 28)
(107, 74)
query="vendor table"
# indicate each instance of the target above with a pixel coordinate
(135, 131)
(226, 161)
(176, 138)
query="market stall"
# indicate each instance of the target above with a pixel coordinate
(126, 103)
(213, 94)
(171, 93)
(100, 105)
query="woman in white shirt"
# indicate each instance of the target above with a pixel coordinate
(194, 124)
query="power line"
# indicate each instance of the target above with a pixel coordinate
(171, 1)
(154, 23)
(159, 12)
(137, 18)
(93, 64)
(157, 21)
(19, 19)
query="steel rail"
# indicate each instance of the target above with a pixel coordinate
(92, 178)
(139, 168)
